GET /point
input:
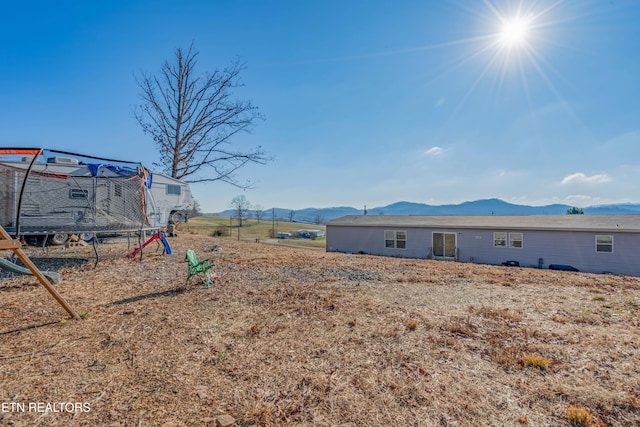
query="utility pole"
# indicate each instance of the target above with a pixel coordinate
(273, 222)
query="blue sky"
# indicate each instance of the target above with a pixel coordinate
(366, 102)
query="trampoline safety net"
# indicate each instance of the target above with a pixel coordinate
(45, 191)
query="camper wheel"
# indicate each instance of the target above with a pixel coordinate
(86, 236)
(59, 238)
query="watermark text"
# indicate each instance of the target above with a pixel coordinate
(41, 407)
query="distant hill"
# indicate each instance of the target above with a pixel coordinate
(477, 207)
(622, 208)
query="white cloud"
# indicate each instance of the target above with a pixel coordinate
(579, 177)
(434, 151)
(440, 102)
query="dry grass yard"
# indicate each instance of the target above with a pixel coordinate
(300, 337)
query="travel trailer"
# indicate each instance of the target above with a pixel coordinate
(57, 194)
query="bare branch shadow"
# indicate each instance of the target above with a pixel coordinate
(46, 264)
(56, 263)
(9, 288)
(27, 328)
(169, 293)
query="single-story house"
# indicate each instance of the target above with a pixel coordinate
(590, 243)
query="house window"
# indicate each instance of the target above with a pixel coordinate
(401, 240)
(78, 193)
(395, 239)
(515, 240)
(604, 243)
(501, 238)
(173, 189)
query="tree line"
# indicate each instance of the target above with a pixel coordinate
(243, 209)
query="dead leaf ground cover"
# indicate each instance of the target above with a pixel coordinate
(293, 336)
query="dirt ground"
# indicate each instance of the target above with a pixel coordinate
(292, 337)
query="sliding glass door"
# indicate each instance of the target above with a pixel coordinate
(444, 245)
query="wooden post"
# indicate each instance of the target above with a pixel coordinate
(9, 243)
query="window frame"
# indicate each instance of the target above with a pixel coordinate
(598, 245)
(78, 194)
(173, 193)
(504, 239)
(521, 240)
(395, 239)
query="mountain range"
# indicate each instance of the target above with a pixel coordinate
(477, 207)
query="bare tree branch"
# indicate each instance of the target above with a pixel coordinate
(242, 206)
(192, 120)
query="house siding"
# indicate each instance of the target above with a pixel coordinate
(574, 248)
(370, 240)
(554, 247)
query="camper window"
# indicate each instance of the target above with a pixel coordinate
(173, 189)
(78, 193)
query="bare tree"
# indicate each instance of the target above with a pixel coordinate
(193, 118)
(291, 215)
(195, 210)
(241, 206)
(258, 212)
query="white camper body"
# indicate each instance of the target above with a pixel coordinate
(167, 195)
(65, 195)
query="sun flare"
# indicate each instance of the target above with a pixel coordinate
(508, 43)
(514, 31)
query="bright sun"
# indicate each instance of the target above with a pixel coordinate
(514, 31)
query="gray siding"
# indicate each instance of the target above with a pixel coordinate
(370, 240)
(575, 248)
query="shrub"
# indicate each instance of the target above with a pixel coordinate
(411, 325)
(536, 361)
(220, 232)
(581, 416)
